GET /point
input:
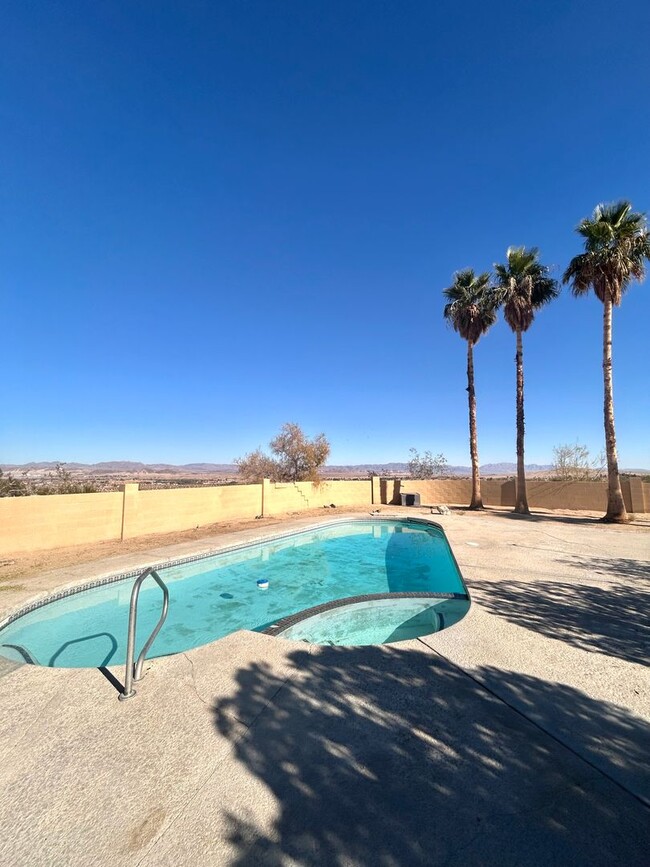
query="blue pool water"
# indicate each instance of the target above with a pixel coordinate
(214, 596)
(376, 621)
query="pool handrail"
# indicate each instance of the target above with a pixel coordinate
(134, 672)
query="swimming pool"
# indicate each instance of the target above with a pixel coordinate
(307, 573)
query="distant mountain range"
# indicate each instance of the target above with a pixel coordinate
(123, 467)
(388, 469)
(397, 468)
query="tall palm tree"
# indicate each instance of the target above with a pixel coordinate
(523, 285)
(617, 246)
(471, 310)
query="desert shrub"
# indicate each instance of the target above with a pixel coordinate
(427, 465)
(573, 463)
(295, 458)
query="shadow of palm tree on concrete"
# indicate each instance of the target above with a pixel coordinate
(539, 517)
(613, 619)
(390, 757)
(615, 567)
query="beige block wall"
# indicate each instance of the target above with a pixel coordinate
(458, 492)
(390, 491)
(590, 496)
(436, 491)
(637, 494)
(297, 496)
(41, 523)
(55, 521)
(167, 511)
(498, 492)
(433, 492)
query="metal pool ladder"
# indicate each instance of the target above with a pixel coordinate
(134, 672)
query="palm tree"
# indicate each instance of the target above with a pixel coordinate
(617, 245)
(523, 286)
(471, 310)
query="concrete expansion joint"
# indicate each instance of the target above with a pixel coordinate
(558, 740)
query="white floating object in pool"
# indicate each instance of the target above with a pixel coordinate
(263, 583)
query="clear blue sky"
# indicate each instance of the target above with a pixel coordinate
(220, 216)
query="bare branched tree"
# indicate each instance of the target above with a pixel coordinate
(427, 465)
(296, 458)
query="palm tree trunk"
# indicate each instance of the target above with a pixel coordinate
(521, 502)
(477, 502)
(616, 511)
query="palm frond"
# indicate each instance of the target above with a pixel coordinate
(471, 307)
(523, 285)
(617, 246)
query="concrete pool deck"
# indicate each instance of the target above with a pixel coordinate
(519, 736)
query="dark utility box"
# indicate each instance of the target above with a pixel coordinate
(410, 499)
